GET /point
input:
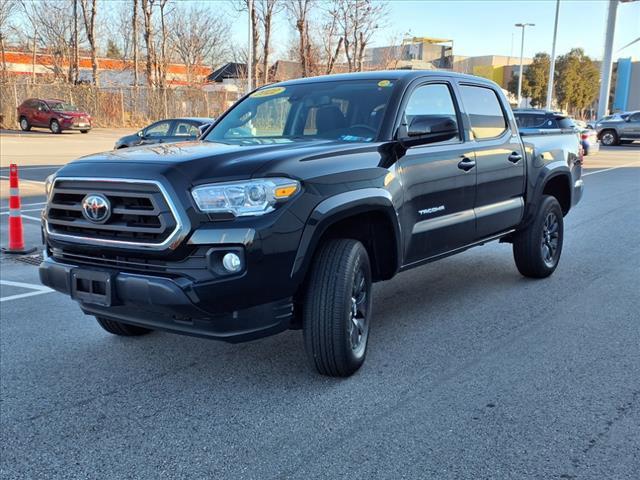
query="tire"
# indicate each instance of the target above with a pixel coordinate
(122, 329)
(337, 308)
(84, 131)
(54, 126)
(609, 138)
(24, 124)
(537, 249)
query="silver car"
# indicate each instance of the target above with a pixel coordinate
(619, 129)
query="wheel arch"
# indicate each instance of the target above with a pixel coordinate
(366, 215)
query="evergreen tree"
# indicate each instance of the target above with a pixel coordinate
(113, 51)
(577, 81)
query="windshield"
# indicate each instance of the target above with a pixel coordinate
(63, 107)
(349, 111)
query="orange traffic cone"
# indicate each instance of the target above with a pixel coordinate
(16, 231)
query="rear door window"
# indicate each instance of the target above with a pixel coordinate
(186, 129)
(484, 110)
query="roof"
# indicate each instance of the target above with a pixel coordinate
(407, 75)
(228, 70)
(196, 119)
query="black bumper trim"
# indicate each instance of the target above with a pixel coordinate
(172, 305)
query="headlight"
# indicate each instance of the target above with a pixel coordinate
(48, 183)
(245, 198)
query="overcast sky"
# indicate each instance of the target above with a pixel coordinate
(480, 27)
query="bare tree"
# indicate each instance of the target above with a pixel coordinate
(199, 37)
(266, 10)
(147, 14)
(75, 65)
(134, 25)
(89, 10)
(357, 21)
(161, 63)
(8, 8)
(52, 29)
(331, 42)
(249, 6)
(299, 12)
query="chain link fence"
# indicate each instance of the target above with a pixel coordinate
(118, 107)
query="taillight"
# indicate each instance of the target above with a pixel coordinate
(584, 136)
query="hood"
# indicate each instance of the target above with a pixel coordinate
(202, 162)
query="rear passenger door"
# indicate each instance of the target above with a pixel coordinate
(184, 130)
(500, 162)
(630, 128)
(439, 179)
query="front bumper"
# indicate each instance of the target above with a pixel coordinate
(171, 304)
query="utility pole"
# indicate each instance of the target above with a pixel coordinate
(250, 50)
(607, 60)
(552, 65)
(523, 26)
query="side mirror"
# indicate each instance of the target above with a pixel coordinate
(425, 129)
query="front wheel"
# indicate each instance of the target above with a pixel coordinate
(337, 308)
(537, 249)
(24, 124)
(609, 138)
(84, 131)
(122, 329)
(54, 126)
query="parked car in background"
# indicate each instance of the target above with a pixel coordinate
(56, 115)
(619, 129)
(166, 131)
(588, 137)
(535, 121)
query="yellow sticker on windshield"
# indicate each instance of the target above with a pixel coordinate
(268, 92)
(384, 83)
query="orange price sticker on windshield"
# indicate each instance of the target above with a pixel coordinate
(268, 92)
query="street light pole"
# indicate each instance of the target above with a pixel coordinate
(523, 26)
(552, 65)
(607, 60)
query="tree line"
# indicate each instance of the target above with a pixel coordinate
(576, 81)
(151, 34)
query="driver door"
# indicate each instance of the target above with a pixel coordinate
(439, 180)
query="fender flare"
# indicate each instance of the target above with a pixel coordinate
(545, 175)
(339, 207)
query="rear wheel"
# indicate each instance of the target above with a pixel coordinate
(609, 138)
(537, 249)
(122, 329)
(54, 126)
(24, 124)
(337, 308)
(84, 131)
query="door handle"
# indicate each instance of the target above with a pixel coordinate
(515, 157)
(466, 164)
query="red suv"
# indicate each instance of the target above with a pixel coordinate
(56, 115)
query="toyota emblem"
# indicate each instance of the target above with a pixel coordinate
(96, 208)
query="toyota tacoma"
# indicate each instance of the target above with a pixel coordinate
(296, 200)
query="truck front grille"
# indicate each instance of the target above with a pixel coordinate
(139, 213)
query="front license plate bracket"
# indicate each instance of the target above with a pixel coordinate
(92, 286)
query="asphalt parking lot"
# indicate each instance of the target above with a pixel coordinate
(472, 372)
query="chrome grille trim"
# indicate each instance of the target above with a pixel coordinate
(172, 241)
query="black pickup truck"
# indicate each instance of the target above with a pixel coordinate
(296, 200)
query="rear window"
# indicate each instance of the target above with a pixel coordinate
(529, 120)
(484, 110)
(564, 122)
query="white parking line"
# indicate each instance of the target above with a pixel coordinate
(23, 210)
(612, 168)
(36, 182)
(37, 290)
